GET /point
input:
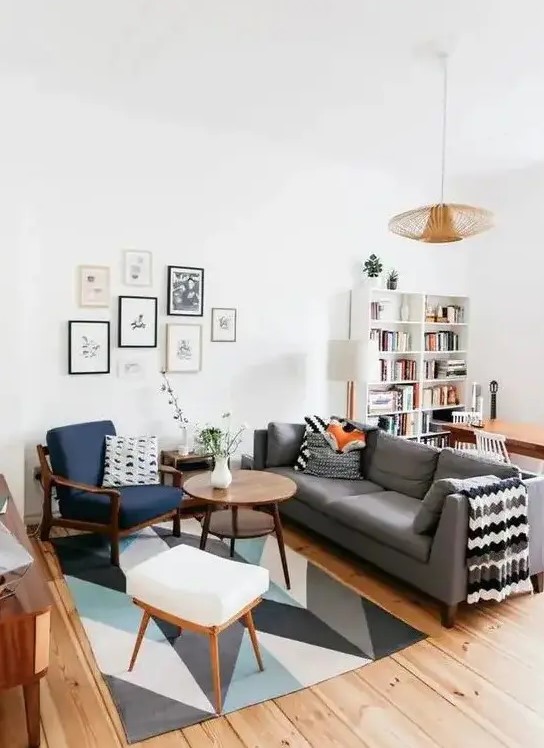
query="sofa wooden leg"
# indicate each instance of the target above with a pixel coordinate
(537, 580)
(176, 525)
(114, 553)
(448, 616)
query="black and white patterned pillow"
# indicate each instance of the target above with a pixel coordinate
(329, 463)
(131, 461)
(314, 425)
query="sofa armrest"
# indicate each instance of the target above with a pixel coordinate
(449, 548)
(246, 462)
(260, 446)
(535, 514)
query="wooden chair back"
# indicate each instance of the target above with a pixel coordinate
(492, 446)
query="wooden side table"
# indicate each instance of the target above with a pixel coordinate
(190, 465)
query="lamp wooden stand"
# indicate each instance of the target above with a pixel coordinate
(345, 364)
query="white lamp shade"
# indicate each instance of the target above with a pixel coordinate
(345, 360)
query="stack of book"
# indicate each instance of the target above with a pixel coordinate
(451, 368)
(391, 340)
(442, 340)
(392, 370)
(453, 314)
(440, 440)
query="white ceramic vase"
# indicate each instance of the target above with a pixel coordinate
(221, 476)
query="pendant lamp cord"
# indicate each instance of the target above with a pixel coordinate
(444, 58)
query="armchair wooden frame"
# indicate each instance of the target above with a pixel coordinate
(112, 529)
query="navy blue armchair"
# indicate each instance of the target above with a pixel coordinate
(72, 463)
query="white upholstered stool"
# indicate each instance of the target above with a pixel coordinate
(200, 592)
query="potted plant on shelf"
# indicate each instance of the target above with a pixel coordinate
(221, 442)
(177, 414)
(392, 279)
(372, 269)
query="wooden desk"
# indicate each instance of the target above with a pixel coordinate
(521, 438)
(24, 628)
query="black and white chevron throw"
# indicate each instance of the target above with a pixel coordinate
(314, 425)
(498, 539)
(131, 461)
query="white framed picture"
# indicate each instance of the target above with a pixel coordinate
(94, 285)
(183, 348)
(223, 325)
(88, 347)
(138, 268)
(137, 323)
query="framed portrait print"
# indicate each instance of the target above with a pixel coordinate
(223, 325)
(138, 268)
(94, 285)
(185, 292)
(183, 348)
(88, 347)
(137, 323)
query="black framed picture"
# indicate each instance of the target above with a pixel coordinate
(185, 297)
(137, 323)
(223, 325)
(88, 347)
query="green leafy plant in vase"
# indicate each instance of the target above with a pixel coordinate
(372, 268)
(392, 279)
(221, 442)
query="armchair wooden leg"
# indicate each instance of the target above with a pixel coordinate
(176, 525)
(45, 529)
(114, 545)
(448, 616)
(537, 580)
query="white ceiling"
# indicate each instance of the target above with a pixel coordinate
(323, 74)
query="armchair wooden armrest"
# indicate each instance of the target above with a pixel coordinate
(113, 494)
(177, 475)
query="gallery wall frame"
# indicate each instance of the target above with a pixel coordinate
(94, 286)
(183, 348)
(185, 291)
(88, 346)
(137, 267)
(137, 322)
(223, 324)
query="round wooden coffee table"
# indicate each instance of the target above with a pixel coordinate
(248, 508)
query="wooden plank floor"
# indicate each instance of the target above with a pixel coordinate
(478, 685)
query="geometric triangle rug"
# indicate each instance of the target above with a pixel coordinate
(317, 630)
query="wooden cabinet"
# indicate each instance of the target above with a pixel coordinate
(25, 620)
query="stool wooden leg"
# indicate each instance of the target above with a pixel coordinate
(214, 657)
(248, 618)
(139, 638)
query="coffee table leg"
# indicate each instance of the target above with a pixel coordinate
(279, 537)
(205, 527)
(234, 529)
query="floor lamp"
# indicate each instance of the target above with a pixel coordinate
(345, 364)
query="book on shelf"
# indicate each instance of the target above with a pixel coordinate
(442, 340)
(403, 424)
(394, 370)
(452, 314)
(444, 368)
(399, 397)
(391, 340)
(439, 396)
(436, 440)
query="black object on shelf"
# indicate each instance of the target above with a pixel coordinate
(493, 389)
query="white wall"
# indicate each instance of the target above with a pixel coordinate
(280, 232)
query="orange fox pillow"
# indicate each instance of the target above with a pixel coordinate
(344, 440)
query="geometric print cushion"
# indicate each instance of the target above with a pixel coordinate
(131, 461)
(314, 425)
(329, 463)
(344, 437)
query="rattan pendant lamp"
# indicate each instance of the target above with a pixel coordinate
(442, 222)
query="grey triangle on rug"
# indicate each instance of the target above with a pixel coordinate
(319, 629)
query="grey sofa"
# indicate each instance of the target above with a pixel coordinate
(374, 517)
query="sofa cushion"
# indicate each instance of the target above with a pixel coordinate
(314, 425)
(283, 443)
(371, 434)
(138, 504)
(454, 463)
(401, 465)
(431, 507)
(324, 461)
(318, 492)
(386, 516)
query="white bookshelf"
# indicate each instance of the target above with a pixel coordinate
(393, 306)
